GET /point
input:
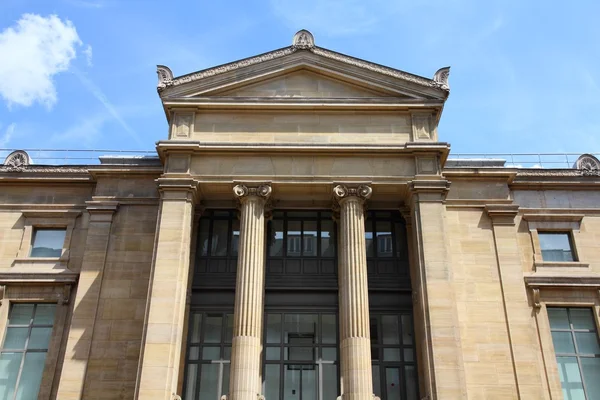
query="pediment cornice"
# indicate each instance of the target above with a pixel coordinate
(302, 53)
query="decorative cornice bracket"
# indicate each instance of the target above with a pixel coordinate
(502, 214)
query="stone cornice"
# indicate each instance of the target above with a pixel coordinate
(166, 79)
(171, 188)
(575, 282)
(33, 278)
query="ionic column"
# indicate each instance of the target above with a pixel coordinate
(245, 382)
(355, 341)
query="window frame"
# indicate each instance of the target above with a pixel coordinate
(559, 223)
(569, 235)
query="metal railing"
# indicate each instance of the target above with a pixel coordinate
(526, 160)
(92, 157)
(76, 157)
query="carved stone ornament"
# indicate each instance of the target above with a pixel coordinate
(441, 77)
(536, 298)
(241, 191)
(17, 160)
(588, 165)
(342, 191)
(304, 40)
(165, 76)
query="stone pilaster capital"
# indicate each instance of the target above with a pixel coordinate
(178, 189)
(244, 191)
(102, 211)
(502, 214)
(425, 190)
(360, 192)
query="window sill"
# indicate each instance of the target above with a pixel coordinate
(561, 266)
(57, 264)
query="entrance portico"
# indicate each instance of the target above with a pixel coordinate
(288, 134)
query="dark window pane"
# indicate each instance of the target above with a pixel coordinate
(212, 329)
(300, 326)
(276, 239)
(219, 238)
(291, 384)
(271, 390)
(225, 384)
(20, 314)
(309, 383)
(400, 232)
(329, 353)
(309, 247)
(209, 381)
(194, 353)
(48, 242)
(591, 375)
(587, 343)
(9, 370)
(235, 237)
(196, 323)
(369, 238)
(327, 238)
(582, 318)
(227, 353)
(299, 353)
(192, 378)
(44, 314)
(294, 238)
(563, 342)
(211, 353)
(273, 328)
(410, 376)
(330, 381)
(392, 383)
(390, 328)
(328, 329)
(409, 355)
(407, 329)
(391, 355)
(558, 318)
(384, 239)
(229, 328)
(203, 235)
(570, 378)
(376, 380)
(273, 353)
(556, 246)
(31, 377)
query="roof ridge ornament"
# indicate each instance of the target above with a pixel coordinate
(588, 165)
(303, 40)
(17, 161)
(441, 77)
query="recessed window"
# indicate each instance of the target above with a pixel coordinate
(48, 242)
(556, 246)
(575, 339)
(24, 350)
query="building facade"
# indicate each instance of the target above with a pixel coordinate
(302, 234)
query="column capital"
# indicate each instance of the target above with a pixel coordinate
(361, 192)
(243, 191)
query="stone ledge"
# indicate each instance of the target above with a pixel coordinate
(547, 281)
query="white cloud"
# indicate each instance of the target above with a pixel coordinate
(8, 133)
(35, 49)
(87, 3)
(88, 55)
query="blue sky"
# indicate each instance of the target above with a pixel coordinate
(81, 74)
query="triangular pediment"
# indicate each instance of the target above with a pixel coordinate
(302, 70)
(304, 84)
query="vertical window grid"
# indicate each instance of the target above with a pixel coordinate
(575, 338)
(23, 354)
(297, 360)
(393, 356)
(217, 242)
(385, 237)
(208, 355)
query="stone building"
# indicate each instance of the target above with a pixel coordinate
(302, 234)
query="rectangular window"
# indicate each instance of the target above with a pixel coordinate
(556, 246)
(575, 339)
(24, 350)
(48, 242)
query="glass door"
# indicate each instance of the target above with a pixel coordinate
(301, 353)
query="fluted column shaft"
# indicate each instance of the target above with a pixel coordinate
(355, 341)
(245, 382)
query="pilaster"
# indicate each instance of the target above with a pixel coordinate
(245, 369)
(85, 309)
(162, 343)
(520, 322)
(355, 340)
(435, 305)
